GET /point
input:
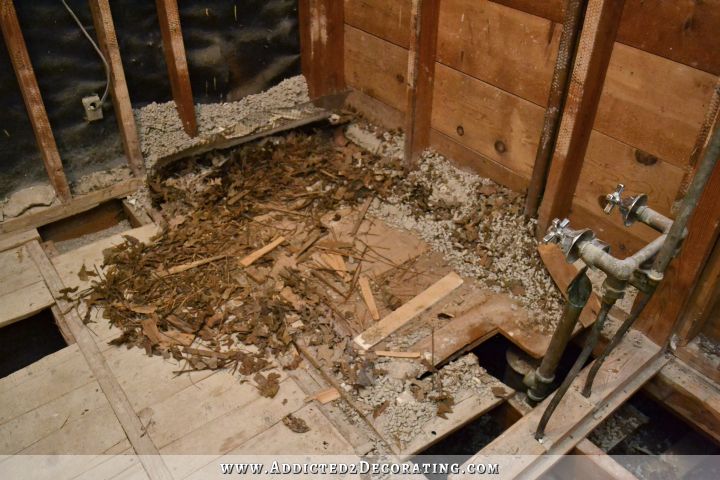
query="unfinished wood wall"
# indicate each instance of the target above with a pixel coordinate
(492, 77)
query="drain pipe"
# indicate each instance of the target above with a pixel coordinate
(539, 381)
(673, 241)
(572, 23)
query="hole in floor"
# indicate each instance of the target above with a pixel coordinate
(27, 341)
(652, 442)
(102, 221)
(469, 439)
(494, 356)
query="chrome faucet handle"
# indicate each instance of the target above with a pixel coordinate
(556, 231)
(613, 199)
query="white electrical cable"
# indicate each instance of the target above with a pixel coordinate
(97, 49)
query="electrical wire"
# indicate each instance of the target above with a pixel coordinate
(97, 49)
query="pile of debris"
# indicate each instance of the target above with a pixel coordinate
(264, 256)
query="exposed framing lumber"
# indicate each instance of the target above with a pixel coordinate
(174, 47)
(425, 16)
(108, 43)
(596, 464)
(572, 24)
(578, 416)
(322, 45)
(79, 204)
(595, 46)
(30, 91)
(134, 429)
(662, 313)
(689, 394)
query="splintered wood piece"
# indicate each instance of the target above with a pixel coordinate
(325, 396)
(562, 274)
(190, 265)
(261, 252)
(368, 297)
(361, 215)
(336, 263)
(426, 299)
(388, 353)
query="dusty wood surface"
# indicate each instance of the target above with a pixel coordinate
(79, 204)
(596, 464)
(15, 239)
(108, 43)
(174, 48)
(34, 105)
(22, 290)
(588, 77)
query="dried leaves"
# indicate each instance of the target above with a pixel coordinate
(297, 425)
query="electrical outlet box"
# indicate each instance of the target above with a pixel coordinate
(93, 108)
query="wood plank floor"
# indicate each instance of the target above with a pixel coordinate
(56, 406)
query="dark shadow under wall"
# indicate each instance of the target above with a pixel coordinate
(234, 48)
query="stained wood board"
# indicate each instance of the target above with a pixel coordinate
(482, 39)
(486, 119)
(376, 67)
(387, 20)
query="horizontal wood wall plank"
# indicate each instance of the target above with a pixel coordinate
(681, 30)
(387, 20)
(475, 162)
(500, 126)
(653, 103)
(376, 67)
(609, 162)
(507, 48)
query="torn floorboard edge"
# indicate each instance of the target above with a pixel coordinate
(497, 314)
(135, 431)
(78, 204)
(426, 299)
(469, 407)
(218, 141)
(562, 274)
(635, 361)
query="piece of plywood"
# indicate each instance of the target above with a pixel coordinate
(500, 126)
(408, 311)
(375, 67)
(483, 39)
